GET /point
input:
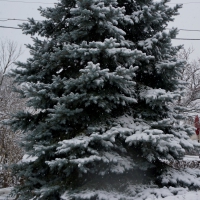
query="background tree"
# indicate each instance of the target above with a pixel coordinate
(191, 74)
(102, 85)
(10, 152)
(9, 53)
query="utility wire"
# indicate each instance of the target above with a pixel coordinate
(9, 19)
(172, 38)
(24, 2)
(184, 3)
(181, 29)
(54, 3)
(5, 19)
(9, 27)
(185, 39)
(188, 30)
(38, 20)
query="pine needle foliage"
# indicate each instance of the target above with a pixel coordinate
(100, 84)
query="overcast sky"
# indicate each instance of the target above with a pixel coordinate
(189, 18)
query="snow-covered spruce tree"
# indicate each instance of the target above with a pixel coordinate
(101, 86)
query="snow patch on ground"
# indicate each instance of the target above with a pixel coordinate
(188, 196)
(191, 195)
(5, 194)
(184, 195)
(191, 158)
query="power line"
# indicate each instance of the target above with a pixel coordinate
(184, 3)
(172, 38)
(8, 19)
(185, 39)
(180, 29)
(9, 27)
(188, 30)
(5, 20)
(24, 2)
(54, 3)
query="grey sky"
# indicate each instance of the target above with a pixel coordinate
(188, 19)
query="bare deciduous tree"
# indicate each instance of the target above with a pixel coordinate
(9, 103)
(9, 53)
(191, 74)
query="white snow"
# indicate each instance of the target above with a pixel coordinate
(4, 194)
(191, 158)
(164, 195)
(146, 194)
(184, 195)
(188, 196)
(27, 158)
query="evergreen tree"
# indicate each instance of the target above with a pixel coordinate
(100, 87)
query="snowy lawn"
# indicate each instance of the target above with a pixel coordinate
(185, 195)
(192, 195)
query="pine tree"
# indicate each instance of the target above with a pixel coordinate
(100, 86)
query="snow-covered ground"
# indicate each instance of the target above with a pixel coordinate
(191, 158)
(192, 195)
(184, 195)
(187, 196)
(4, 194)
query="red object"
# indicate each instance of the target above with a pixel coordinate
(197, 124)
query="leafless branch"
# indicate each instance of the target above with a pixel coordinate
(10, 151)
(9, 53)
